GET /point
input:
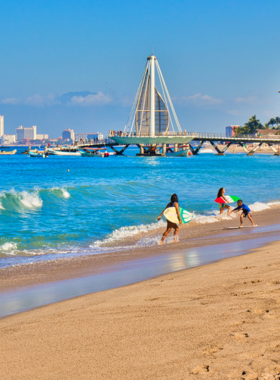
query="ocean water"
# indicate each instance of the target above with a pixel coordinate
(48, 212)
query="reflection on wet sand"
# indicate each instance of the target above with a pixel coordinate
(122, 274)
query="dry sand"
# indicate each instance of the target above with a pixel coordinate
(218, 321)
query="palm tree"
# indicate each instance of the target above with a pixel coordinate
(252, 125)
(272, 122)
(277, 121)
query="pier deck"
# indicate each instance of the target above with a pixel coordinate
(156, 145)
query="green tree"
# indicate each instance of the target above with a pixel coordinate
(277, 121)
(272, 122)
(250, 127)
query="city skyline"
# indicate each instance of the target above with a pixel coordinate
(82, 73)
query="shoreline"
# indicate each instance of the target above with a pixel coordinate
(220, 320)
(190, 236)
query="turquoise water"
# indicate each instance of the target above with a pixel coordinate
(47, 212)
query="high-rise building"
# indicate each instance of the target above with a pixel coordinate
(8, 139)
(42, 137)
(230, 131)
(1, 126)
(68, 134)
(26, 133)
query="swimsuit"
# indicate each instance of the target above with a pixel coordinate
(245, 210)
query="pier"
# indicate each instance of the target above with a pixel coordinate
(157, 145)
(154, 128)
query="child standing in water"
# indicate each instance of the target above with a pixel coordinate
(221, 194)
(170, 225)
(245, 212)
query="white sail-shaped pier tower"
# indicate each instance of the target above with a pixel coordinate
(153, 120)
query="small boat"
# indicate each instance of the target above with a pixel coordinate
(38, 153)
(95, 152)
(64, 151)
(182, 152)
(8, 152)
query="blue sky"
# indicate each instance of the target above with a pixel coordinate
(220, 60)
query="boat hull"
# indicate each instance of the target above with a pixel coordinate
(180, 153)
(61, 153)
(5, 153)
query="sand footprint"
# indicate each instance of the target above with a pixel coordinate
(213, 350)
(200, 369)
(275, 282)
(238, 323)
(241, 336)
(252, 282)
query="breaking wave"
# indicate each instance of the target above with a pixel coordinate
(29, 199)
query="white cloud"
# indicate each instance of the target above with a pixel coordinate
(198, 99)
(40, 100)
(98, 99)
(78, 99)
(246, 100)
(10, 101)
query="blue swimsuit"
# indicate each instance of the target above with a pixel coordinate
(245, 209)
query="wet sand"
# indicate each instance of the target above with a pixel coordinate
(218, 321)
(191, 235)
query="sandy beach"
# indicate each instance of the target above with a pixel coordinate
(218, 321)
(264, 149)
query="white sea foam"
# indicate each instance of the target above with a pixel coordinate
(65, 193)
(125, 232)
(9, 248)
(259, 206)
(1, 206)
(30, 199)
(212, 217)
(63, 190)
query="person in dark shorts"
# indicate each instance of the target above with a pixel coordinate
(174, 203)
(245, 212)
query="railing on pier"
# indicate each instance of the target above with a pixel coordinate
(198, 135)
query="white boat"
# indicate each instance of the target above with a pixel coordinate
(8, 152)
(64, 151)
(206, 150)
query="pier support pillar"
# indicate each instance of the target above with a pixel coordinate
(276, 152)
(142, 149)
(195, 151)
(176, 148)
(219, 152)
(163, 150)
(119, 152)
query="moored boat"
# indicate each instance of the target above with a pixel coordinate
(8, 152)
(182, 152)
(95, 152)
(38, 153)
(64, 151)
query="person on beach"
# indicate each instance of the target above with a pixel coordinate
(245, 212)
(174, 203)
(223, 206)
